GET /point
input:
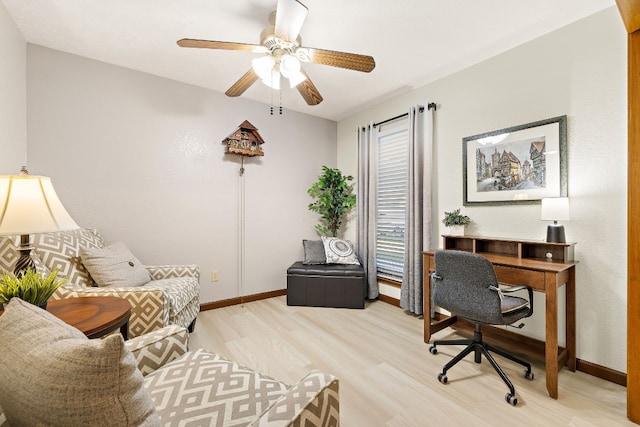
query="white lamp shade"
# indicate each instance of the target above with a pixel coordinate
(29, 204)
(273, 80)
(296, 78)
(269, 70)
(289, 65)
(263, 66)
(555, 209)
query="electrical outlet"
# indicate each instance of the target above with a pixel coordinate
(214, 276)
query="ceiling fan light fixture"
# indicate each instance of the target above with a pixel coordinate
(273, 80)
(296, 79)
(289, 65)
(264, 66)
(282, 47)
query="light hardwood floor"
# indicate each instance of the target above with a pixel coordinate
(388, 377)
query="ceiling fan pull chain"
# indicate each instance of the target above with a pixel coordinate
(271, 106)
(280, 92)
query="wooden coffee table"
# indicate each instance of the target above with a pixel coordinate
(94, 316)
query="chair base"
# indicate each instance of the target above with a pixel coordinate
(479, 347)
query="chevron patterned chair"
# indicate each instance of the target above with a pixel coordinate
(150, 380)
(170, 298)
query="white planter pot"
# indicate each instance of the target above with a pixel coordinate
(456, 230)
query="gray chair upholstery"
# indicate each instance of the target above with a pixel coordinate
(466, 285)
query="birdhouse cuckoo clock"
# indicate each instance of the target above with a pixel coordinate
(245, 141)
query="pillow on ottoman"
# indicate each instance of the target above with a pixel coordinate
(339, 251)
(53, 375)
(314, 252)
(114, 265)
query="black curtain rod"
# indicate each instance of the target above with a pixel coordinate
(421, 109)
(391, 119)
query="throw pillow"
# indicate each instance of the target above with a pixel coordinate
(314, 252)
(114, 265)
(53, 375)
(339, 251)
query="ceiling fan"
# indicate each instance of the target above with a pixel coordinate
(282, 52)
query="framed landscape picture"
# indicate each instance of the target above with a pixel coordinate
(520, 164)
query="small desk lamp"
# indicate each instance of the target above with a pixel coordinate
(554, 209)
(29, 204)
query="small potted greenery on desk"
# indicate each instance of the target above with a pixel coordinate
(456, 222)
(30, 286)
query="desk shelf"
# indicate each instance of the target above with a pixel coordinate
(525, 249)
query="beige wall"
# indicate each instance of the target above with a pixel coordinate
(580, 71)
(141, 158)
(13, 96)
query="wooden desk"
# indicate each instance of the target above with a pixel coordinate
(519, 262)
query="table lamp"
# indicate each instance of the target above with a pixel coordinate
(555, 209)
(29, 204)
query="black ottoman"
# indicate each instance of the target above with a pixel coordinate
(326, 285)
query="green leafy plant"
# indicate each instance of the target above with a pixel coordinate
(455, 218)
(334, 199)
(31, 286)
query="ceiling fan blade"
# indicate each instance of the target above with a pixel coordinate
(290, 15)
(243, 83)
(309, 91)
(351, 61)
(212, 44)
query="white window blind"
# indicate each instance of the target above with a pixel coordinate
(392, 199)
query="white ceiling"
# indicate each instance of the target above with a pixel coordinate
(413, 41)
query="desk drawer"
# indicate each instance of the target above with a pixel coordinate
(517, 276)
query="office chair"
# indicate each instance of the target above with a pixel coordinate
(466, 285)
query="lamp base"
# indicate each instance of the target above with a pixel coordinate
(555, 233)
(24, 261)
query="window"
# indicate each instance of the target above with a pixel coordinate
(392, 198)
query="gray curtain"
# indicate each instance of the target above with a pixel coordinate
(366, 205)
(418, 212)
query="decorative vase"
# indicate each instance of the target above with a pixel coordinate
(456, 230)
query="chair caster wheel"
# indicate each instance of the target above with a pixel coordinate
(433, 349)
(528, 375)
(442, 378)
(511, 399)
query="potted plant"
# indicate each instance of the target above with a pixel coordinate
(456, 222)
(30, 286)
(334, 199)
